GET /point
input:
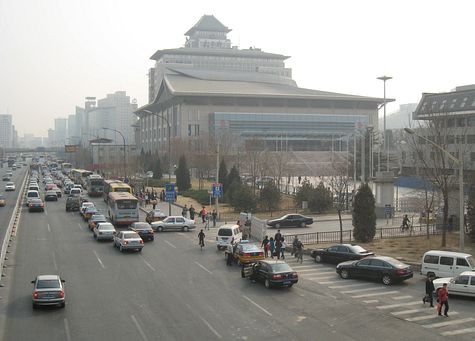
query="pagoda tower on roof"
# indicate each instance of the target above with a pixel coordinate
(208, 33)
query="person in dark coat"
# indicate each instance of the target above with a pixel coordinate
(429, 291)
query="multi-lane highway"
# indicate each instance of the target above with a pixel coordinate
(173, 291)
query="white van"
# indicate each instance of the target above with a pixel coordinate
(228, 234)
(32, 195)
(75, 191)
(33, 187)
(446, 263)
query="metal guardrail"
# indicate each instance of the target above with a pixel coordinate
(348, 236)
(13, 222)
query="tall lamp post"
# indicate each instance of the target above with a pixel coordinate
(123, 139)
(169, 150)
(386, 144)
(459, 162)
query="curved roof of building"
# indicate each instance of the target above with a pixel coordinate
(445, 103)
(208, 23)
(233, 52)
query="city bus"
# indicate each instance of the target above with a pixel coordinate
(95, 185)
(123, 208)
(79, 176)
(111, 186)
(66, 168)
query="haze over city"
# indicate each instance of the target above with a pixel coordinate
(55, 53)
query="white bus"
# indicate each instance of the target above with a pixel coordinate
(95, 185)
(66, 168)
(123, 208)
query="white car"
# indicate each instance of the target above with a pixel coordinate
(177, 223)
(10, 186)
(104, 231)
(128, 240)
(463, 284)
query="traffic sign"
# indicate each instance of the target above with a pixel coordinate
(387, 210)
(217, 190)
(170, 192)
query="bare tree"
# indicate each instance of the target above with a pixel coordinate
(338, 182)
(254, 149)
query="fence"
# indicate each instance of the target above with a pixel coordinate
(381, 233)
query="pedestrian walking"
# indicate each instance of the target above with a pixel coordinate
(203, 214)
(299, 251)
(271, 247)
(429, 296)
(278, 247)
(229, 254)
(443, 300)
(184, 211)
(192, 212)
(214, 216)
(294, 246)
(278, 236)
(265, 245)
(282, 249)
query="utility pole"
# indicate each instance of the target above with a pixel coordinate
(217, 180)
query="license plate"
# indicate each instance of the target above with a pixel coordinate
(286, 282)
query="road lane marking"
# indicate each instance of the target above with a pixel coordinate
(402, 297)
(49, 228)
(427, 317)
(180, 234)
(46, 212)
(149, 265)
(407, 312)
(376, 294)
(308, 266)
(80, 227)
(390, 306)
(370, 301)
(257, 305)
(201, 266)
(458, 332)
(54, 262)
(98, 259)
(211, 328)
(137, 325)
(349, 285)
(449, 323)
(66, 330)
(316, 270)
(359, 290)
(166, 241)
(318, 278)
(329, 282)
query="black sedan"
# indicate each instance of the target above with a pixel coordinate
(36, 205)
(290, 220)
(272, 273)
(144, 230)
(340, 253)
(385, 269)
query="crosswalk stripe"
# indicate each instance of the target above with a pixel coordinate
(449, 323)
(390, 306)
(349, 285)
(370, 301)
(359, 290)
(375, 294)
(407, 312)
(308, 266)
(402, 297)
(458, 331)
(322, 272)
(329, 282)
(427, 317)
(318, 278)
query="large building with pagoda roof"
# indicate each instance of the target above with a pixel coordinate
(210, 87)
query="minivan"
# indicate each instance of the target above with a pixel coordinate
(446, 263)
(33, 187)
(228, 234)
(32, 195)
(75, 191)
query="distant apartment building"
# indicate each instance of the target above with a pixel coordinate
(51, 140)
(210, 88)
(6, 131)
(60, 131)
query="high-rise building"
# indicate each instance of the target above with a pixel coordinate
(60, 131)
(6, 136)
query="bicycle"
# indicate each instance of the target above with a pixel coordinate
(202, 244)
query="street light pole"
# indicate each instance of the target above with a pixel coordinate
(386, 144)
(169, 151)
(123, 138)
(459, 162)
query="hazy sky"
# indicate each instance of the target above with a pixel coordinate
(53, 53)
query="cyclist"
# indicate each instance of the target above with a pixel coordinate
(201, 238)
(405, 223)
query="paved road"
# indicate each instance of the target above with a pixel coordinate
(173, 291)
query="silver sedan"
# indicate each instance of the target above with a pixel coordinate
(177, 223)
(49, 290)
(128, 240)
(104, 231)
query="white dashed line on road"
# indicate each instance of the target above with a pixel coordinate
(201, 266)
(407, 312)
(390, 306)
(378, 293)
(66, 330)
(427, 317)
(358, 290)
(449, 323)
(459, 331)
(80, 227)
(137, 325)
(257, 305)
(46, 212)
(344, 286)
(402, 297)
(166, 241)
(49, 228)
(370, 301)
(211, 328)
(149, 265)
(98, 259)
(54, 262)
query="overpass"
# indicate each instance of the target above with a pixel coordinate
(33, 150)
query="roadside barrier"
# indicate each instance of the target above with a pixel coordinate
(11, 229)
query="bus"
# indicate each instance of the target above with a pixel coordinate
(95, 185)
(111, 186)
(123, 208)
(79, 176)
(66, 168)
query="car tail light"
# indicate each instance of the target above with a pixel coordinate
(35, 295)
(245, 254)
(295, 275)
(400, 271)
(30, 205)
(276, 276)
(141, 241)
(61, 294)
(42, 205)
(261, 253)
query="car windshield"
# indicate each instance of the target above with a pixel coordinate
(225, 232)
(98, 217)
(9, 183)
(47, 284)
(279, 267)
(249, 247)
(106, 227)
(131, 236)
(358, 249)
(471, 261)
(32, 194)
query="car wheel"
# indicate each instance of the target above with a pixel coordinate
(160, 229)
(277, 226)
(185, 229)
(267, 284)
(303, 225)
(387, 280)
(318, 259)
(344, 274)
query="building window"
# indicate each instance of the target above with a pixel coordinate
(193, 130)
(450, 139)
(461, 122)
(450, 123)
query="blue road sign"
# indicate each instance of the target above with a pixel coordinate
(217, 190)
(170, 192)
